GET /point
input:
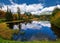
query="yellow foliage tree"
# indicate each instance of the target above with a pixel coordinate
(55, 21)
(5, 32)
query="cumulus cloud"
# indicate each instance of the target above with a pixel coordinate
(48, 8)
(51, 8)
(33, 8)
(24, 7)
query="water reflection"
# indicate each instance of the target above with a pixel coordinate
(37, 30)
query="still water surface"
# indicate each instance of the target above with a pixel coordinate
(37, 30)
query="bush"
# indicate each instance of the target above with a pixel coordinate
(5, 32)
(55, 21)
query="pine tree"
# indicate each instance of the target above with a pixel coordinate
(19, 18)
(18, 11)
(8, 16)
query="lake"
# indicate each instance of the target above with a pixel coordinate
(37, 30)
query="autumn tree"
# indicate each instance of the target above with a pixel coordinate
(28, 16)
(2, 14)
(55, 11)
(55, 21)
(15, 16)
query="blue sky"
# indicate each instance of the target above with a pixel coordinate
(45, 2)
(34, 6)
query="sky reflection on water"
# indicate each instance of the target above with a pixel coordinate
(36, 31)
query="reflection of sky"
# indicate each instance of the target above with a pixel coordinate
(36, 30)
(36, 25)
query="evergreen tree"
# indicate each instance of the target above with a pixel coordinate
(19, 18)
(55, 11)
(28, 13)
(8, 16)
(18, 11)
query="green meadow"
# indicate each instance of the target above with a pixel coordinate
(35, 41)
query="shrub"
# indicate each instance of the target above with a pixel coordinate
(56, 18)
(5, 32)
(55, 21)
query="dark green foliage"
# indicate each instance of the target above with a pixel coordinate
(55, 21)
(56, 30)
(55, 17)
(55, 11)
(18, 11)
(8, 15)
(28, 13)
(37, 16)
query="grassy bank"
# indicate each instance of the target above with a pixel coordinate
(45, 41)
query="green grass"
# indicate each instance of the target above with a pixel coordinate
(2, 20)
(45, 41)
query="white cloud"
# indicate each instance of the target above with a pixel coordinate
(33, 8)
(36, 12)
(12, 2)
(44, 10)
(48, 8)
(4, 8)
(58, 6)
(24, 7)
(51, 8)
